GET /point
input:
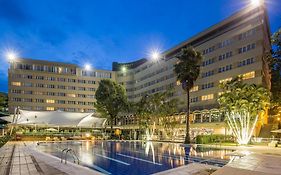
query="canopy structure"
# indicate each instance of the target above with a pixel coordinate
(57, 118)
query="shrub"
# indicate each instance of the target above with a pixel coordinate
(4, 140)
(215, 138)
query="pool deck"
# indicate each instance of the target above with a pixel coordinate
(16, 158)
(19, 158)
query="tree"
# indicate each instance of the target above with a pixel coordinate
(3, 102)
(154, 110)
(111, 100)
(276, 69)
(188, 69)
(243, 104)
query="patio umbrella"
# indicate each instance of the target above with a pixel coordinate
(276, 131)
(51, 129)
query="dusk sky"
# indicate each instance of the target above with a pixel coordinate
(100, 32)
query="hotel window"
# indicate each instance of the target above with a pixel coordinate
(209, 50)
(71, 109)
(61, 101)
(91, 103)
(246, 62)
(91, 82)
(61, 109)
(27, 99)
(207, 74)
(247, 34)
(27, 76)
(91, 89)
(81, 88)
(71, 95)
(39, 108)
(27, 92)
(38, 68)
(39, 100)
(248, 75)
(207, 85)
(51, 93)
(194, 99)
(207, 97)
(16, 99)
(50, 101)
(71, 88)
(208, 62)
(225, 68)
(72, 80)
(90, 96)
(225, 80)
(225, 55)
(247, 48)
(15, 91)
(81, 95)
(50, 108)
(39, 77)
(39, 85)
(61, 87)
(50, 86)
(51, 78)
(38, 93)
(224, 43)
(61, 79)
(16, 83)
(82, 81)
(194, 88)
(71, 102)
(27, 84)
(61, 94)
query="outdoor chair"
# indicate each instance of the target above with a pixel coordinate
(48, 139)
(273, 144)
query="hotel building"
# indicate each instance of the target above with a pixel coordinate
(234, 46)
(47, 86)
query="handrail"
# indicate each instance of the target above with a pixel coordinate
(72, 152)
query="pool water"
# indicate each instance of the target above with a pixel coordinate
(136, 158)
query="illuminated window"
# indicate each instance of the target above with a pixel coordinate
(248, 75)
(50, 108)
(194, 88)
(71, 95)
(225, 80)
(207, 97)
(50, 101)
(16, 83)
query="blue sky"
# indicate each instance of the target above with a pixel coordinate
(99, 32)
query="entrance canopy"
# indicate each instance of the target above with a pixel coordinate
(57, 118)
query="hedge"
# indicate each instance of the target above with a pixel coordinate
(4, 140)
(215, 138)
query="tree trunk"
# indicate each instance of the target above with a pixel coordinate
(187, 136)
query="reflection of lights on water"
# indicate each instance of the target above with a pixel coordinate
(118, 147)
(87, 145)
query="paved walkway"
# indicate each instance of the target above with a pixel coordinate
(18, 159)
(253, 164)
(190, 169)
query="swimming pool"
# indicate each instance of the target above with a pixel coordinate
(138, 158)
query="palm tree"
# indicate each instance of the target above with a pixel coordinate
(243, 104)
(188, 69)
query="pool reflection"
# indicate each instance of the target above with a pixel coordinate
(137, 157)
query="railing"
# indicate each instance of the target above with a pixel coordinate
(64, 153)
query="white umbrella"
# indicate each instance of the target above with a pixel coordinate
(276, 131)
(51, 129)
